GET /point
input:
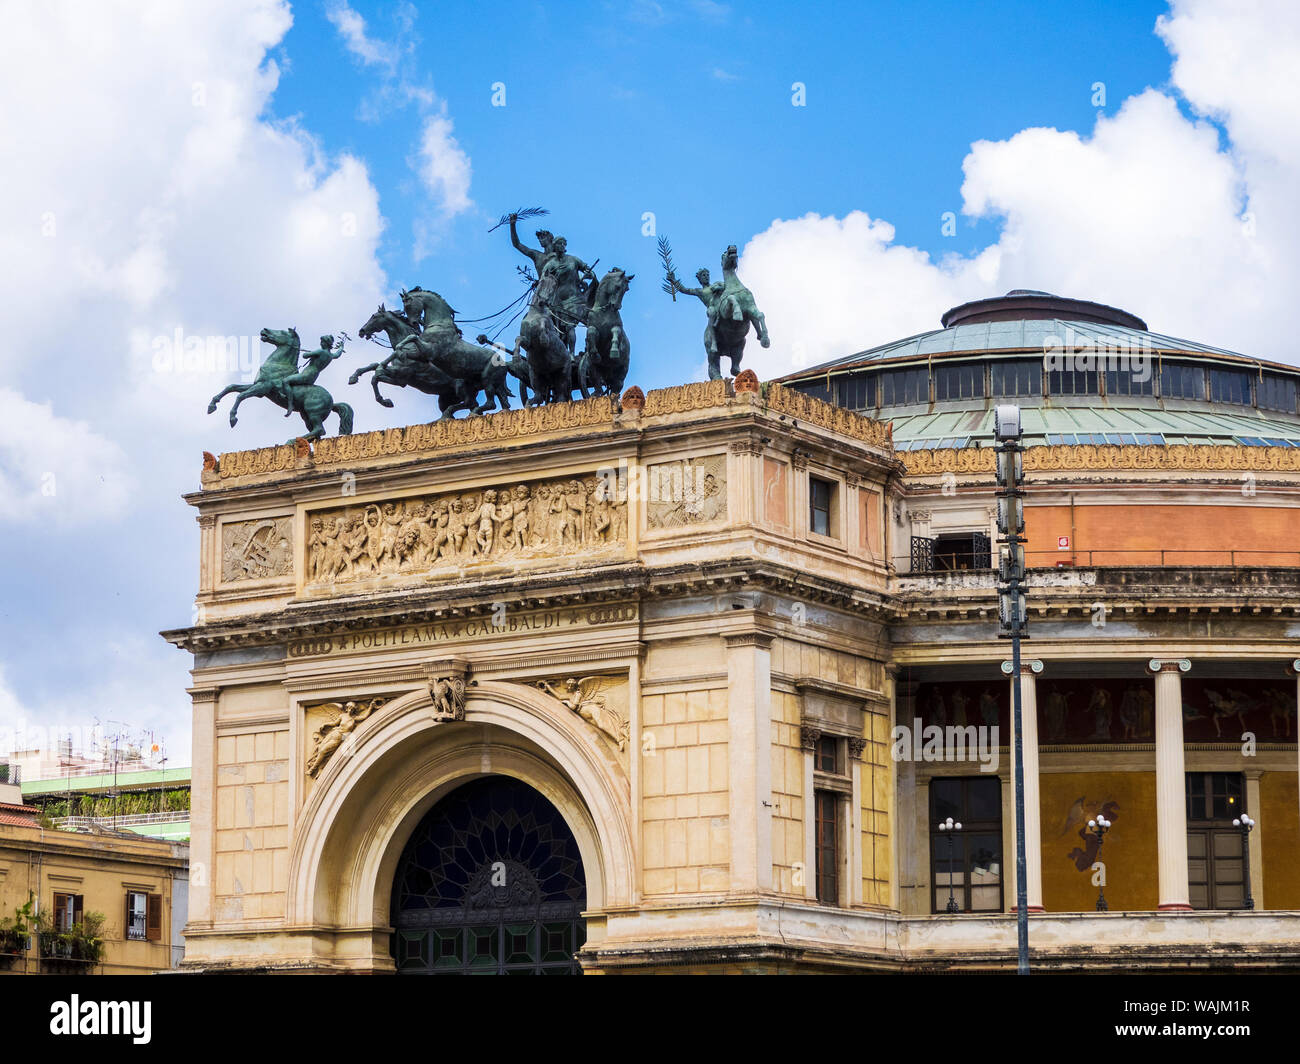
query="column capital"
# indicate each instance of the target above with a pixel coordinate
(808, 737)
(1027, 666)
(1156, 665)
(203, 694)
(762, 640)
(1294, 667)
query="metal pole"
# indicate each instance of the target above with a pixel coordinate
(1022, 882)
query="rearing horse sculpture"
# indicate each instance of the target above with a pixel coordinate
(311, 401)
(403, 368)
(438, 340)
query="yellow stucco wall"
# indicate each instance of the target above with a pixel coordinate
(1129, 852)
(1279, 819)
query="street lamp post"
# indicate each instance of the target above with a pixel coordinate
(949, 828)
(1011, 613)
(1245, 824)
(1099, 827)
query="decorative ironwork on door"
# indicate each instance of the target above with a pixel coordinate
(490, 883)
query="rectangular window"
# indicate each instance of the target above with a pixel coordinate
(1015, 379)
(817, 389)
(828, 847)
(143, 916)
(959, 382)
(820, 494)
(67, 911)
(1124, 382)
(1230, 386)
(967, 862)
(1182, 382)
(1216, 870)
(1072, 382)
(857, 392)
(1277, 393)
(963, 550)
(904, 387)
(828, 755)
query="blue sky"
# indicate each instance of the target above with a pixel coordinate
(684, 110)
(223, 165)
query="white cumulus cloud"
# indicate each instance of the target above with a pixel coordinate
(1152, 210)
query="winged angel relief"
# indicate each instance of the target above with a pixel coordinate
(336, 730)
(584, 697)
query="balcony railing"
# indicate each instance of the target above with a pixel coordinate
(72, 823)
(980, 561)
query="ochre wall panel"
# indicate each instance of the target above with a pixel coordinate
(1067, 801)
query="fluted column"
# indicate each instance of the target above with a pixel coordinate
(1171, 785)
(1029, 742)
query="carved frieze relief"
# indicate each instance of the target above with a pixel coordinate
(256, 550)
(687, 492)
(451, 530)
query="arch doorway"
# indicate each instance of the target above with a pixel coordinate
(489, 883)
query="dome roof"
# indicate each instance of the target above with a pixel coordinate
(1028, 324)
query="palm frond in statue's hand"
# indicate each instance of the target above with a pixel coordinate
(670, 270)
(526, 275)
(525, 212)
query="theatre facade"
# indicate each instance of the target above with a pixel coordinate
(688, 681)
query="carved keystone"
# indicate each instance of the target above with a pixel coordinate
(448, 678)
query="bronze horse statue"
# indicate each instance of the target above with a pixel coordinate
(437, 340)
(736, 312)
(542, 337)
(604, 361)
(403, 368)
(312, 402)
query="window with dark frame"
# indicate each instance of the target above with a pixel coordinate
(1015, 379)
(1073, 382)
(828, 847)
(1216, 869)
(68, 910)
(904, 387)
(965, 381)
(1276, 393)
(1125, 382)
(820, 493)
(1179, 381)
(1230, 386)
(974, 868)
(857, 391)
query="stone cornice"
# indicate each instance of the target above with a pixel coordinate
(1191, 457)
(618, 582)
(596, 415)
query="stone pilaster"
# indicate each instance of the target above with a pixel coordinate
(749, 759)
(1171, 785)
(1029, 670)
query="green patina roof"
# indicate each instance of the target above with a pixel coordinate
(1174, 426)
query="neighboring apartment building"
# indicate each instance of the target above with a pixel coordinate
(139, 885)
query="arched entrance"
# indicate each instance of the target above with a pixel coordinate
(490, 882)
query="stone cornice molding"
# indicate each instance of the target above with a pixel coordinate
(1226, 458)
